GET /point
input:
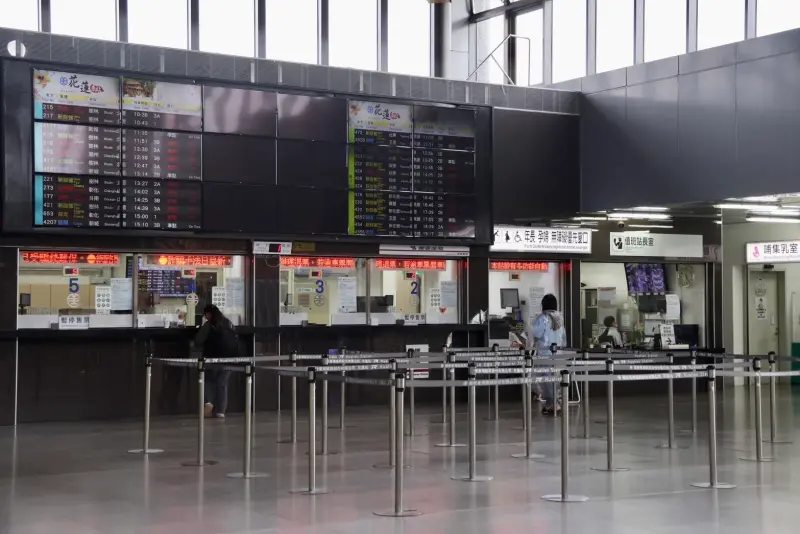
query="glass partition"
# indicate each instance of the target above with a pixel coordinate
(74, 290)
(414, 291)
(322, 291)
(173, 289)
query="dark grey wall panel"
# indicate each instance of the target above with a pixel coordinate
(707, 131)
(608, 153)
(536, 165)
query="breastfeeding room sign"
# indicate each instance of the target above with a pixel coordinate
(533, 239)
(773, 252)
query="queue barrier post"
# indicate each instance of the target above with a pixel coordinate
(248, 428)
(773, 403)
(670, 407)
(693, 361)
(610, 422)
(451, 440)
(472, 476)
(713, 481)
(201, 380)
(527, 411)
(392, 423)
(148, 379)
(325, 451)
(342, 392)
(399, 509)
(756, 364)
(293, 423)
(585, 411)
(565, 496)
(444, 392)
(312, 488)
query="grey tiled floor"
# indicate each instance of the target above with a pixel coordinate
(76, 478)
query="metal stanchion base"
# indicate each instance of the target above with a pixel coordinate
(472, 479)
(531, 456)
(450, 445)
(616, 423)
(673, 447)
(149, 451)
(753, 459)
(778, 441)
(326, 453)
(249, 475)
(316, 491)
(611, 470)
(565, 498)
(415, 434)
(404, 513)
(388, 466)
(195, 463)
(287, 441)
(709, 485)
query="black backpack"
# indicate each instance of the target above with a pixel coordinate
(224, 341)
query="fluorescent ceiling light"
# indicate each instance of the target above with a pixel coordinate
(589, 218)
(763, 198)
(750, 207)
(773, 220)
(637, 215)
(650, 208)
(717, 222)
(650, 225)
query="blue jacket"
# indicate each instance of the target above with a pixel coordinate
(548, 328)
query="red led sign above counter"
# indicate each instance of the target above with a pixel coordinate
(55, 258)
(330, 263)
(412, 265)
(519, 266)
(181, 260)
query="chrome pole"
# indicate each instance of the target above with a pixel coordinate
(248, 427)
(312, 437)
(610, 421)
(693, 361)
(444, 391)
(201, 379)
(758, 419)
(713, 482)
(495, 348)
(472, 477)
(451, 442)
(148, 378)
(342, 392)
(565, 495)
(293, 423)
(392, 421)
(773, 403)
(527, 409)
(670, 407)
(324, 406)
(586, 398)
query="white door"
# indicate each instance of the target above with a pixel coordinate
(764, 313)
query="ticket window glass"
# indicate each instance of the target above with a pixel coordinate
(322, 291)
(414, 291)
(646, 300)
(173, 289)
(74, 290)
(516, 289)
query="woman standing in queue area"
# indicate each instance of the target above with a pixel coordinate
(548, 329)
(218, 340)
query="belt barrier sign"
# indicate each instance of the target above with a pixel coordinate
(419, 373)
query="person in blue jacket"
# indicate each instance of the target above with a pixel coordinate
(548, 328)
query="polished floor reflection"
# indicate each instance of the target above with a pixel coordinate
(77, 478)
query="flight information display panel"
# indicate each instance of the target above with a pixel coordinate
(79, 98)
(160, 154)
(169, 106)
(76, 149)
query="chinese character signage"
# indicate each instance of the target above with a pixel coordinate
(773, 252)
(532, 239)
(424, 250)
(645, 244)
(289, 262)
(73, 322)
(180, 260)
(58, 258)
(411, 265)
(519, 266)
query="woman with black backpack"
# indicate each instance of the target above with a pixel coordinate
(218, 340)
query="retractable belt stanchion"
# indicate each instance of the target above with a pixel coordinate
(610, 422)
(585, 399)
(670, 408)
(494, 406)
(293, 424)
(693, 361)
(411, 399)
(527, 410)
(565, 495)
(392, 422)
(201, 380)
(312, 438)
(773, 404)
(713, 482)
(398, 509)
(148, 378)
(342, 392)
(324, 451)
(248, 428)
(472, 477)
(451, 442)
(444, 391)
(758, 420)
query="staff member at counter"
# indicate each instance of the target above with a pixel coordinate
(611, 336)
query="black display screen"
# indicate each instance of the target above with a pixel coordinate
(315, 118)
(443, 171)
(76, 149)
(304, 210)
(381, 168)
(161, 204)
(154, 104)
(77, 201)
(312, 164)
(445, 128)
(238, 159)
(241, 208)
(240, 111)
(160, 154)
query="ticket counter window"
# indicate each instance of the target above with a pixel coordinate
(516, 289)
(173, 289)
(322, 291)
(74, 290)
(414, 291)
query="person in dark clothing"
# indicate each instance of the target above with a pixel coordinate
(218, 340)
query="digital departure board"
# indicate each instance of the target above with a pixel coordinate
(160, 154)
(161, 205)
(80, 98)
(443, 171)
(381, 168)
(76, 149)
(165, 282)
(381, 213)
(153, 104)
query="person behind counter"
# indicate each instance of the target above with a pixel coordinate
(548, 328)
(218, 340)
(611, 336)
